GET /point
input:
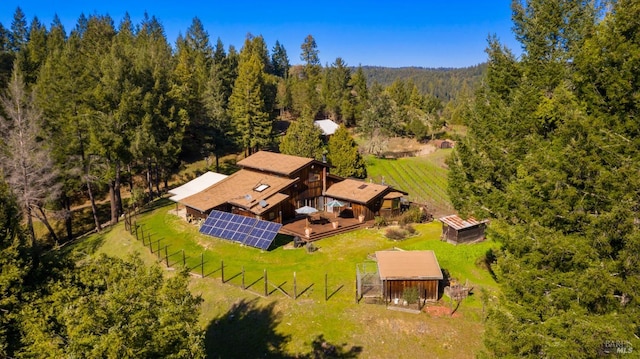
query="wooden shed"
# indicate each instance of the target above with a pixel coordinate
(401, 270)
(457, 230)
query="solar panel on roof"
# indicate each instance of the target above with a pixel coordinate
(246, 230)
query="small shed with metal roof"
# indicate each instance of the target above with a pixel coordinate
(457, 230)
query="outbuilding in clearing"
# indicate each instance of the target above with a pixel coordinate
(401, 271)
(457, 230)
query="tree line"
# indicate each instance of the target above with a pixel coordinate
(551, 157)
(106, 107)
(446, 84)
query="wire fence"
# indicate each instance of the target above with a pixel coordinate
(256, 283)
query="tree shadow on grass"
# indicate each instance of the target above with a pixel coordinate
(250, 331)
(246, 331)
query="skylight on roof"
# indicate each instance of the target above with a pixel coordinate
(261, 187)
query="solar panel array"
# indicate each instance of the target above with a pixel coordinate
(250, 231)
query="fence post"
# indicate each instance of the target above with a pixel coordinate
(158, 250)
(326, 294)
(266, 293)
(135, 225)
(184, 262)
(243, 287)
(150, 244)
(222, 270)
(295, 289)
(142, 233)
(202, 265)
(166, 255)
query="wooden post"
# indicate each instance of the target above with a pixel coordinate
(243, 287)
(166, 255)
(451, 303)
(150, 244)
(142, 233)
(158, 250)
(222, 270)
(135, 225)
(184, 262)
(266, 292)
(326, 289)
(295, 289)
(202, 265)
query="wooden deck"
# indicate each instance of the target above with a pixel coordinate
(321, 225)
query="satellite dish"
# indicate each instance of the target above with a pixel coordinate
(263, 203)
(248, 197)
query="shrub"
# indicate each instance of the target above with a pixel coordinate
(408, 229)
(411, 295)
(412, 215)
(380, 222)
(395, 233)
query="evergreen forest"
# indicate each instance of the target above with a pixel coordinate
(550, 157)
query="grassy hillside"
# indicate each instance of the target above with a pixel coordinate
(424, 177)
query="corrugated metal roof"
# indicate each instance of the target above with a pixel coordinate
(458, 223)
(408, 265)
(196, 185)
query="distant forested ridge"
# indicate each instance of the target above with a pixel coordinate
(443, 83)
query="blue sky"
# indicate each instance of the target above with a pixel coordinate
(422, 33)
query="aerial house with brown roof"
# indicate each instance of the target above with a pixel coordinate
(457, 230)
(268, 186)
(366, 199)
(402, 270)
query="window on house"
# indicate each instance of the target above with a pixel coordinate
(314, 177)
(261, 187)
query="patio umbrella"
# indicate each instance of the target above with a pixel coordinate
(333, 204)
(306, 210)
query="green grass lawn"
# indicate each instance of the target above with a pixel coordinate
(246, 320)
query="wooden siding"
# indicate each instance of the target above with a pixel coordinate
(427, 289)
(196, 214)
(463, 235)
(308, 190)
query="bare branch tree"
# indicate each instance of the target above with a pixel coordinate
(27, 165)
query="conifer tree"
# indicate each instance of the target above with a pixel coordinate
(280, 60)
(19, 34)
(193, 65)
(14, 267)
(303, 139)
(247, 106)
(336, 91)
(541, 161)
(344, 155)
